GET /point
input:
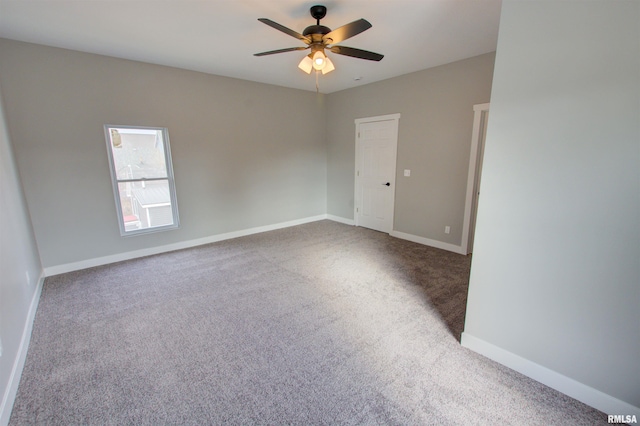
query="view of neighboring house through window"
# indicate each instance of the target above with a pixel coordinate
(142, 176)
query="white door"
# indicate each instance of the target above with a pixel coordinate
(480, 121)
(476, 193)
(376, 150)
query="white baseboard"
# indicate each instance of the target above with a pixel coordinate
(428, 242)
(18, 364)
(341, 220)
(119, 257)
(557, 381)
(90, 263)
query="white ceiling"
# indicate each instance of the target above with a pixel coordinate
(220, 36)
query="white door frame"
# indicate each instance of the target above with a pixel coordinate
(475, 161)
(357, 202)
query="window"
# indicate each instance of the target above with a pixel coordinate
(142, 177)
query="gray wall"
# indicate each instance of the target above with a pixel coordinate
(555, 277)
(244, 154)
(19, 263)
(434, 140)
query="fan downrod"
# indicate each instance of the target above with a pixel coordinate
(318, 12)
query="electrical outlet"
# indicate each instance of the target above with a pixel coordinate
(447, 229)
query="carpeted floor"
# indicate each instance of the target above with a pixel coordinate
(321, 323)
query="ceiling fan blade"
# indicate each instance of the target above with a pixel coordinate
(356, 53)
(285, 30)
(346, 31)
(273, 52)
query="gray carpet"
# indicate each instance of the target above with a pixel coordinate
(321, 323)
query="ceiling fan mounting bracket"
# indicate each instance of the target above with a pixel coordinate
(318, 12)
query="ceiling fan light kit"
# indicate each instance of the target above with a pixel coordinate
(306, 64)
(328, 66)
(318, 38)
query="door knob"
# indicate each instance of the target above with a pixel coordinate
(387, 184)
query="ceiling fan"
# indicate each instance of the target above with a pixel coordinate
(318, 38)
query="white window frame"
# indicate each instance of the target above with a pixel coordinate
(170, 178)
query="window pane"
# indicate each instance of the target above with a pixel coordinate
(142, 177)
(145, 204)
(137, 153)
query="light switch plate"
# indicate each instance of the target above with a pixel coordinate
(407, 172)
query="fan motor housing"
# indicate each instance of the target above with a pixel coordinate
(316, 29)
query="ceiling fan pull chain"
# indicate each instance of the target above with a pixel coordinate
(317, 89)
